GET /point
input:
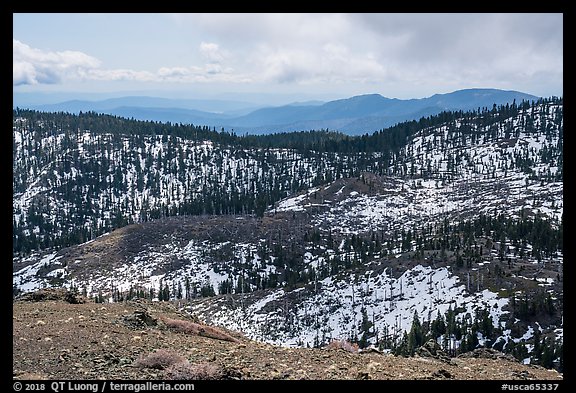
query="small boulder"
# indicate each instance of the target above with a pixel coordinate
(139, 319)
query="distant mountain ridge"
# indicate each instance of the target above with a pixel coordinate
(355, 115)
(196, 106)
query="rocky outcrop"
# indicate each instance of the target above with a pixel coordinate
(61, 294)
(487, 353)
(431, 349)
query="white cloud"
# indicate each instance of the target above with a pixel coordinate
(394, 54)
(118, 75)
(441, 51)
(24, 73)
(211, 52)
(332, 63)
(34, 66)
(174, 72)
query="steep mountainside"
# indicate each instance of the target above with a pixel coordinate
(455, 234)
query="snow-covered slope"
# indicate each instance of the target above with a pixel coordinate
(334, 308)
(447, 172)
(72, 188)
(428, 232)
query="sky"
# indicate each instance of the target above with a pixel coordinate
(311, 56)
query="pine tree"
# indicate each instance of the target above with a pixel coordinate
(559, 354)
(166, 292)
(365, 327)
(548, 352)
(438, 327)
(537, 350)
(207, 290)
(416, 336)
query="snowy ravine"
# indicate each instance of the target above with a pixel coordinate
(334, 309)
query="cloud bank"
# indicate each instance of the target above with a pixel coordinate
(374, 52)
(32, 66)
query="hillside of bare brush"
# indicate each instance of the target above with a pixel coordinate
(57, 335)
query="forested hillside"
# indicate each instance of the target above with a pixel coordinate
(449, 228)
(78, 176)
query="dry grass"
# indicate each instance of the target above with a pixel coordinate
(178, 367)
(343, 344)
(200, 371)
(189, 327)
(161, 359)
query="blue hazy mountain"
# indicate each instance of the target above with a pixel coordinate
(111, 104)
(173, 115)
(356, 115)
(371, 112)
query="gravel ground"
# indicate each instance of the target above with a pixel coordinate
(53, 339)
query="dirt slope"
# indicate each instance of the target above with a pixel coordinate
(54, 339)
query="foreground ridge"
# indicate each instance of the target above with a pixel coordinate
(61, 340)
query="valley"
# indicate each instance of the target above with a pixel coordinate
(453, 232)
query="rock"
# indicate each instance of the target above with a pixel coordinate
(139, 319)
(442, 374)
(332, 368)
(363, 375)
(371, 350)
(30, 376)
(233, 373)
(42, 295)
(372, 367)
(432, 349)
(521, 374)
(487, 353)
(125, 361)
(429, 349)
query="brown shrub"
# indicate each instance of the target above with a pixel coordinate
(343, 344)
(189, 327)
(200, 371)
(161, 359)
